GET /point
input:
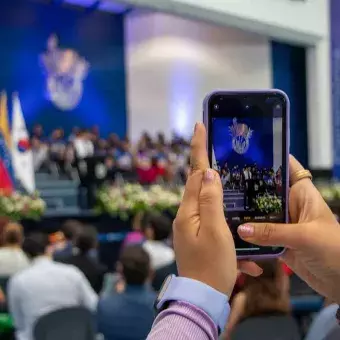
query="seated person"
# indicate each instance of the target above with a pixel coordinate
(135, 236)
(12, 257)
(324, 322)
(57, 147)
(129, 314)
(40, 154)
(148, 170)
(124, 159)
(64, 247)
(262, 297)
(91, 268)
(45, 286)
(157, 229)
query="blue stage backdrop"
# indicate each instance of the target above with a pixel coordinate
(87, 45)
(260, 144)
(289, 75)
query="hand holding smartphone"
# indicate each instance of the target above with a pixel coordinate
(248, 144)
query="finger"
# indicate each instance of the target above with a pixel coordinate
(198, 153)
(294, 166)
(192, 192)
(274, 235)
(211, 198)
(249, 268)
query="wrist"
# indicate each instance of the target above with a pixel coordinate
(196, 293)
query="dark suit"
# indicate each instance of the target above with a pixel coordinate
(92, 269)
(128, 315)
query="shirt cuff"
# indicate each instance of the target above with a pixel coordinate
(182, 320)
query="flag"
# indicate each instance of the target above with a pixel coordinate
(213, 161)
(6, 171)
(21, 152)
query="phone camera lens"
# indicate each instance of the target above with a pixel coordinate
(216, 107)
(247, 107)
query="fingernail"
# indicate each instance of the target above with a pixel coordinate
(209, 175)
(245, 230)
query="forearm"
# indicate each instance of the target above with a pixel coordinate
(182, 321)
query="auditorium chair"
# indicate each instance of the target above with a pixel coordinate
(65, 324)
(267, 327)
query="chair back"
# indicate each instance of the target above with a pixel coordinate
(3, 283)
(65, 324)
(267, 328)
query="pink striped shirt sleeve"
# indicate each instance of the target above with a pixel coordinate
(183, 321)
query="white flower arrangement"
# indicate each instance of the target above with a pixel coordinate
(268, 203)
(330, 192)
(131, 199)
(17, 206)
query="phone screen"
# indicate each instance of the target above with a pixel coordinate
(247, 146)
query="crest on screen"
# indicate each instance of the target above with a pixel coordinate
(65, 72)
(241, 135)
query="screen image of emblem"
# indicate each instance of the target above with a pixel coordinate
(65, 72)
(241, 134)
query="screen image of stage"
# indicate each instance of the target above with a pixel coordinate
(247, 153)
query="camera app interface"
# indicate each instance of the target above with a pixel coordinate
(248, 154)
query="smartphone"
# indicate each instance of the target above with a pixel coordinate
(248, 144)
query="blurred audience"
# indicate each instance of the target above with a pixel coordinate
(94, 271)
(45, 286)
(263, 298)
(12, 258)
(149, 161)
(129, 314)
(157, 230)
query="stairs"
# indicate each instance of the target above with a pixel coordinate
(60, 195)
(233, 200)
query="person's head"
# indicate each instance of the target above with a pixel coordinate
(125, 145)
(71, 229)
(102, 144)
(13, 234)
(134, 265)
(268, 293)
(86, 239)
(161, 138)
(109, 162)
(156, 227)
(82, 134)
(38, 130)
(154, 162)
(35, 245)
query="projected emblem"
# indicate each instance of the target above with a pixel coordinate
(65, 72)
(241, 135)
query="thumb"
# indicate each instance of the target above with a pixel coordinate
(275, 235)
(211, 198)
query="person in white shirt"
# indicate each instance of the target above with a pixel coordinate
(157, 230)
(12, 258)
(83, 145)
(44, 287)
